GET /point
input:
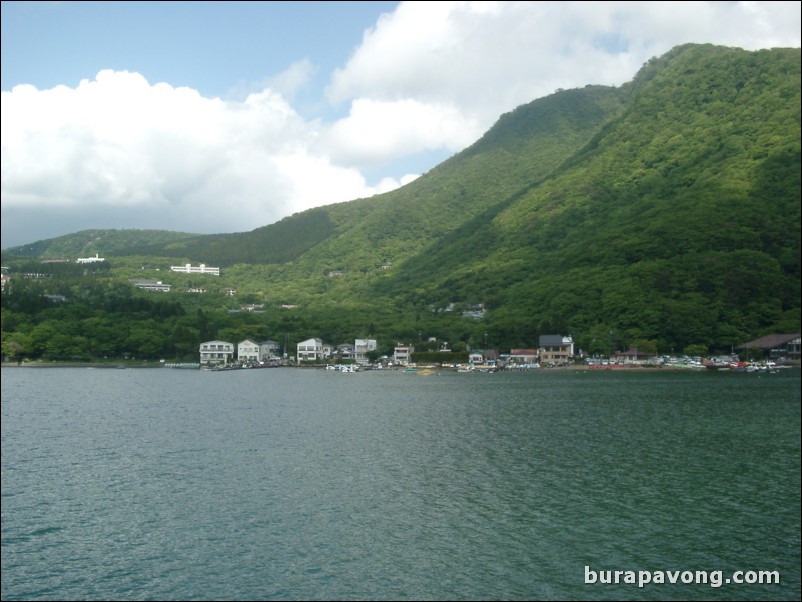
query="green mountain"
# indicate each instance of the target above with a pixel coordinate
(663, 213)
(90, 242)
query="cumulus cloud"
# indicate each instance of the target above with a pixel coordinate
(377, 131)
(119, 141)
(428, 77)
(488, 57)
(438, 75)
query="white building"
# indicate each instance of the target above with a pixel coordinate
(95, 259)
(190, 269)
(361, 349)
(248, 351)
(402, 354)
(216, 352)
(476, 357)
(311, 350)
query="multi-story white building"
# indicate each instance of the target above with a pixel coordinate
(190, 269)
(216, 352)
(402, 354)
(361, 349)
(311, 350)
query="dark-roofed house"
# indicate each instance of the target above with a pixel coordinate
(555, 348)
(632, 355)
(776, 346)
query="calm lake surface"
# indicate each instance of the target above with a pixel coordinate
(303, 484)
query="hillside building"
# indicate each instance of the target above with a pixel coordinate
(190, 269)
(95, 259)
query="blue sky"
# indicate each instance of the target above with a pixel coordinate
(226, 116)
(224, 49)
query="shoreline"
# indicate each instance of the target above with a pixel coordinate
(116, 365)
(575, 367)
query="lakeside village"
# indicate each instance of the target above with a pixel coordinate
(554, 351)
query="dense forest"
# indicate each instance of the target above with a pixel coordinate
(663, 214)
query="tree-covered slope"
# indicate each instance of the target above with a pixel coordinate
(682, 215)
(90, 242)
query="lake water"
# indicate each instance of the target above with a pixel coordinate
(303, 484)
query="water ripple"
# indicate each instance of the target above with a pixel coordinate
(285, 484)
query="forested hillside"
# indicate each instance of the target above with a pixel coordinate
(91, 242)
(664, 213)
(679, 221)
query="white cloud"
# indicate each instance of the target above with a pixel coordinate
(378, 131)
(388, 184)
(120, 141)
(485, 58)
(430, 77)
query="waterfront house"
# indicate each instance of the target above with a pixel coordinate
(402, 354)
(522, 356)
(345, 351)
(555, 348)
(631, 356)
(248, 351)
(216, 352)
(269, 350)
(476, 357)
(361, 349)
(776, 347)
(311, 350)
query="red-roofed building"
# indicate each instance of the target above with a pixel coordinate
(523, 356)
